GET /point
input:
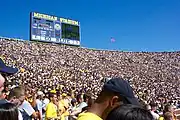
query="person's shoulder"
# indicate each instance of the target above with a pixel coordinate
(50, 104)
(3, 101)
(84, 103)
(88, 116)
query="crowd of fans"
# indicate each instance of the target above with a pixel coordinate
(76, 75)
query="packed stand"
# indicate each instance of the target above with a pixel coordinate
(74, 75)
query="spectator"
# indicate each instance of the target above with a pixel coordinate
(73, 104)
(52, 109)
(89, 101)
(4, 72)
(153, 111)
(129, 112)
(39, 103)
(80, 106)
(154, 76)
(83, 68)
(169, 108)
(168, 116)
(45, 103)
(17, 97)
(8, 111)
(115, 92)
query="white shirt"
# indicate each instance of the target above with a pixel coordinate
(20, 115)
(45, 101)
(155, 115)
(39, 104)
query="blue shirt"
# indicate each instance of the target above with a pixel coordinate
(3, 101)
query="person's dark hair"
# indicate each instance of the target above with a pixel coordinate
(86, 97)
(153, 104)
(51, 95)
(8, 111)
(73, 102)
(104, 94)
(4, 91)
(129, 112)
(78, 97)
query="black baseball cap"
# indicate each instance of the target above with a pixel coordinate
(7, 69)
(122, 87)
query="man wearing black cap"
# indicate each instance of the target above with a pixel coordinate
(115, 92)
(5, 71)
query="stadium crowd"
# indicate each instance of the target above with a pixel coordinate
(74, 77)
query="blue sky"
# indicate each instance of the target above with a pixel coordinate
(136, 25)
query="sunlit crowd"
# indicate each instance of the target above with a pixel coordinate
(46, 81)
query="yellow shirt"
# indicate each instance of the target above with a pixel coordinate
(161, 118)
(63, 111)
(51, 110)
(64, 115)
(62, 105)
(88, 116)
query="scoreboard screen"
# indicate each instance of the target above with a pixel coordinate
(49, 28)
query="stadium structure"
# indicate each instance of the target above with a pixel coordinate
(144, 70)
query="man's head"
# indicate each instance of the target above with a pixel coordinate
(108, 100)
(86, 97)
(114, 93)
(40, 95)
(153, 106)
(53, 97)
(17, 95)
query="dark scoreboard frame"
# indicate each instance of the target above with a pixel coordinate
(53, 33)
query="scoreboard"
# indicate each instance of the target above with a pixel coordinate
(50, 28)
